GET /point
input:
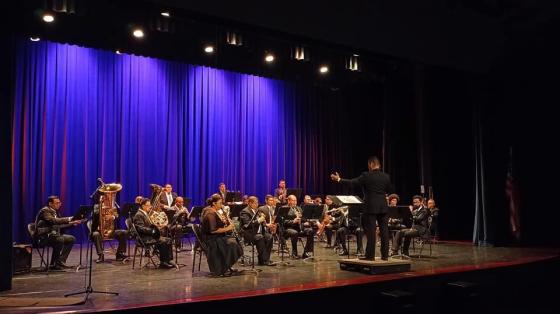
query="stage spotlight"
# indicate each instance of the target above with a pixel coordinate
(165, 13)
(118, 52)
(209, 49)
(34, 38)
(269, 58)
(48, 17)
(300, 53)
(138, 33)
(324, 69)
(234, 38)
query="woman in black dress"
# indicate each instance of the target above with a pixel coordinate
(223, 249)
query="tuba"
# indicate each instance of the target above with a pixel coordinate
(157, 216)
(108, 209)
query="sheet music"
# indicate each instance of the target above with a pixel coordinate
(349, 199)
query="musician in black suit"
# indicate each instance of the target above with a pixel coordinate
(269, 210)
(434, 213)
(97, 238)
(150, 234)
(280, 192)
(376, 185)
(48, 226)
(334, 223)
(168, 197)
(253, 223)
(295, 227)
(222, 191)
(420, 217)
(347, 225)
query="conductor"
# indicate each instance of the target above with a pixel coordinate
(376, 185)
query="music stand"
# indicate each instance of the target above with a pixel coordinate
(196, 212)
(82, 212)
(354, 204)
(89, 289)
(294, 191)
(232, 197)
(235, 210)
(312, 212)
(280, 218)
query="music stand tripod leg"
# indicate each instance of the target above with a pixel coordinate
(89, 289)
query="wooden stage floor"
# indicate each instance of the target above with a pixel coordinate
(149, 287)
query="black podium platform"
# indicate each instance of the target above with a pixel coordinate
(376, 267)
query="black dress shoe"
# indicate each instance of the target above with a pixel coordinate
(294, 256)
(343, 253)
(166, 265)
(366, 258)
(100, 259)
(63, 265)
(55, 267)
(307, 255)
(121, 257)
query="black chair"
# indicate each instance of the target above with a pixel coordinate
(40, 245)
(423, 239)
(146, 249)
(200, 246)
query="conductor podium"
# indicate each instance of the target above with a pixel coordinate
(376, 267)
(372, 267)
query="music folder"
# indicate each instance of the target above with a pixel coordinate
(196, 211)
(82, 212)
(130, 209)
(312, 211)
(294, 191)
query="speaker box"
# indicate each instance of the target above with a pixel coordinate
(21, 256)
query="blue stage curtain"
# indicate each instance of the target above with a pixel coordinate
(83, 113)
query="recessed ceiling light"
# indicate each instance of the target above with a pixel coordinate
(47, 17)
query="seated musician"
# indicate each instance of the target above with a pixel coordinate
(253, 223)
(318, 201)
(295, 227)
(420, 217)
(434, 213)
(181, 221)
(48, 226)
(97, 238)
(150, 234)
(269, 210)
(307, 200)
(331, 223)
(348, 225)
(223, 248)
(395, 220)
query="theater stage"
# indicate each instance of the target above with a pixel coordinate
(157, 287)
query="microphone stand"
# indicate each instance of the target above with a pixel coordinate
(89, 289)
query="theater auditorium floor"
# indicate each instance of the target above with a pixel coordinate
(145, 287)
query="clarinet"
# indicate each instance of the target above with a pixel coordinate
(234, 232)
